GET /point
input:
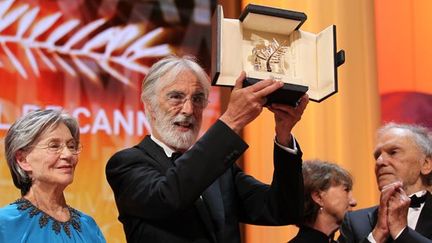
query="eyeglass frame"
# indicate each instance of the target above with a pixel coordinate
(179, 102)
(60, 149)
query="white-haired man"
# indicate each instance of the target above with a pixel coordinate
(403, 167)
(202, 195)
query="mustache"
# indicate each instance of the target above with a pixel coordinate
(183, 118)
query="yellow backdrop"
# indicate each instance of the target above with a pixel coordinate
(341, 128)
(404, 50)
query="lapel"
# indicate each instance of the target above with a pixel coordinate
(424, 223)
(373, 217)
(153, 150)
(211, 210)
(210, 207)
(204, 213)
(213, 198)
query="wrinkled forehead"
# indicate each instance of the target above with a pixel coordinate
(394, 133)
(395, 136)
(182, 80)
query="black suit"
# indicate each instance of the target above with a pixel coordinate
(358, 224)
(311, 235)
(159, 200)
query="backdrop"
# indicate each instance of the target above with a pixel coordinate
(388, 60)
(89, 58)
(404, 62)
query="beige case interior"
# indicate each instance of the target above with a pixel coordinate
(307, 59)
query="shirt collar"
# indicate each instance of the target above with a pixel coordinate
(419, 193)
(168, 151)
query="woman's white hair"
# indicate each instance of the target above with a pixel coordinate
(25, 131)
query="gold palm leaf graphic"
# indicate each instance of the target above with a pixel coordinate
(43, 38)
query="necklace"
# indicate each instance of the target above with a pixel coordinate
(24, 204)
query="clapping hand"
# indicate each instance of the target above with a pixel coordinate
(390, 210)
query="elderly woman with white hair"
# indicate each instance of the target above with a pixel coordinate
(42, 149)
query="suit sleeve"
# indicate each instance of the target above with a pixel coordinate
(142, 188)
(280, 203)
(411, 236)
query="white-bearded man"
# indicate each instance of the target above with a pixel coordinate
(202, 195)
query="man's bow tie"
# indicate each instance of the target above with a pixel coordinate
(175, 156)
(417, 201)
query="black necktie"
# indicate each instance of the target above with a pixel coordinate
(417, 201)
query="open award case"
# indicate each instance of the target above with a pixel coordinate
(266, 43)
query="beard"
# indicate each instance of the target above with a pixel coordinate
(166, 127)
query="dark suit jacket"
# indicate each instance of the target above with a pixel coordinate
(311, 235)
(358, 224)
(159, 200)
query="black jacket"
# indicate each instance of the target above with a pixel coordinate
(159, 200)
(358, 224)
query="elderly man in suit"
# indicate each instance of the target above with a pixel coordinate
(403, 168)
(202, 195)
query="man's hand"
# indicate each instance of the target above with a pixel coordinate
(397, 212)
(247, 103)
(381, 231)
(286, 117)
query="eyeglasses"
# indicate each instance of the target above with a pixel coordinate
(179, 99)
(57, 147)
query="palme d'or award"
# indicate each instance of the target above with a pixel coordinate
(267, 42)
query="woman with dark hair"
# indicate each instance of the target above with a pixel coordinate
(42, 150)
(328, 196)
